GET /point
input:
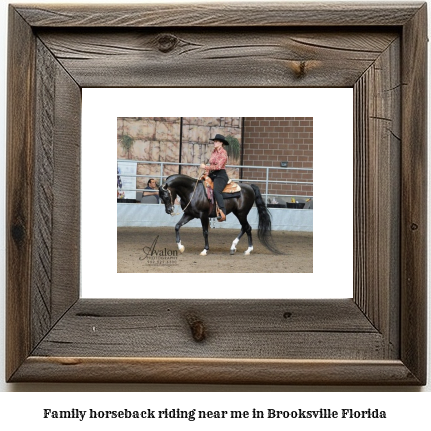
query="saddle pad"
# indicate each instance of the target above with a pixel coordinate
(231, 195)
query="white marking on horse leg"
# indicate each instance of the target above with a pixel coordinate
(181, 248)
(204, 252)
(248, 251)
(233, 246)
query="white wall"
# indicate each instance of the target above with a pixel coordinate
(140, 215)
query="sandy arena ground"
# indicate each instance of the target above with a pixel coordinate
(154, 250)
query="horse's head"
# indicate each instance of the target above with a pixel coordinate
(168, 197)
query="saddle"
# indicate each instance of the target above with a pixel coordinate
(232, 190)
(231, 187)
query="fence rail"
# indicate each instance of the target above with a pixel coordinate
(266, 181)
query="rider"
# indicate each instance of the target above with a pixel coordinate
(217, 172)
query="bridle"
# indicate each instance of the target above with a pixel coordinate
(165, 187)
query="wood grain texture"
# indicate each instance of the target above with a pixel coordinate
(377, 189)
(43, 194)
(55, 278)
(67, 194)
(378, 338)
(413, 192)
(215, 371)
(215, 14)
(268, 329)
(19, 184)
(140, 58)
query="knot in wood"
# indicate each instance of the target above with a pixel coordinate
(166, 42)
(197, 328)
(18, 233)
(300, 69)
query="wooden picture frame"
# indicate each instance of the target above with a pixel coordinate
(376, 338)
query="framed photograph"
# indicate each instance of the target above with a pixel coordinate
(377, 337)
(142, 229)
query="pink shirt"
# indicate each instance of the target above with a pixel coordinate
(217, 160)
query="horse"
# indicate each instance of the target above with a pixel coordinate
(195, 204)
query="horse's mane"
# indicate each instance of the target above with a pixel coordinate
(173, 177)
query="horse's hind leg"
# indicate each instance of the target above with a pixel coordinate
(245, 228)
(236, 241)
(250, 240)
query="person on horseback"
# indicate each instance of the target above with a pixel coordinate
(217, 172)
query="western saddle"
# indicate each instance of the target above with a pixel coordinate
(231, 187)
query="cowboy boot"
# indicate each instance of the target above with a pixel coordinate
(221, 215)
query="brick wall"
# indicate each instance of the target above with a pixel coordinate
(271, 140)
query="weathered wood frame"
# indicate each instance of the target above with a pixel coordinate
(378, 337)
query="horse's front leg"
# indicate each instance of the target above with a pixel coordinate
(184, 219)
(205, 227)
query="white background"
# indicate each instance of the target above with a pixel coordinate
(332, 112)
(406, 408)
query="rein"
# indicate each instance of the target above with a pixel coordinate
(173, 204)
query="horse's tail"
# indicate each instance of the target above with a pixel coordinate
(264, 226)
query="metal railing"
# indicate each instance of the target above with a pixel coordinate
(267, 181)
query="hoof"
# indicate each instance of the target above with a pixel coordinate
(248, 251)
(232, 251)
(204, 252)
(181, 248)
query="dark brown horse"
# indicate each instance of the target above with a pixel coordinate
(195, 204)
